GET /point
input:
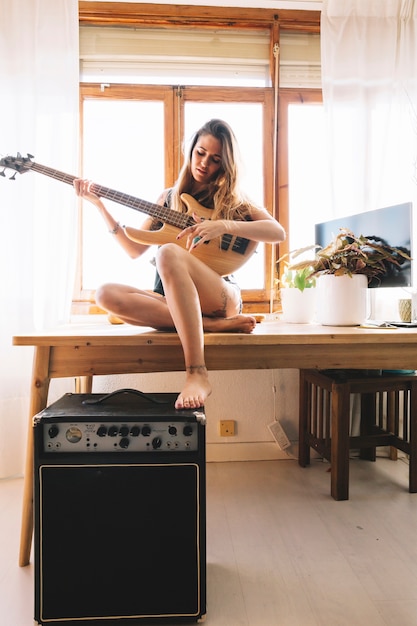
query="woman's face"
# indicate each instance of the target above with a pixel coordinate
(206, 159)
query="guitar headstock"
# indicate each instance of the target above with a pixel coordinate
(18, 164)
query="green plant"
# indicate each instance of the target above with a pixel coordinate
(298, 276)
(350, 254)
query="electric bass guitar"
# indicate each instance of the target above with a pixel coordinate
(224, 254)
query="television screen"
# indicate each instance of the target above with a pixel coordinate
(391, 225)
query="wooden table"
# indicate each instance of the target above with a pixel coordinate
(91, 349)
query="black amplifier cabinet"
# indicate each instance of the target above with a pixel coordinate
(120, 509)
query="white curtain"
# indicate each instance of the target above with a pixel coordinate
(39, 115)
(369, 75)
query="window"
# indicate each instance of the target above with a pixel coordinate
(123, 149)
(130, 146)
(303, 178)
(302, 165)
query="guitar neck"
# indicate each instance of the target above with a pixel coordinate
(163, 214)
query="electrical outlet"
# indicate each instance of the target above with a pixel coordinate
(227, 428)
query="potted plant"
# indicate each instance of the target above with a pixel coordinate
(298, 295)
(344, 270)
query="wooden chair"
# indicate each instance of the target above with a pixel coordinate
(388, 417)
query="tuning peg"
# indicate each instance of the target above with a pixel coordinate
(30, 156)
(13, 177)
(3, 174)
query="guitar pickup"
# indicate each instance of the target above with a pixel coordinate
(226, 241)
(240, 245)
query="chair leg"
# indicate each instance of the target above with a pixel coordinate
(392, 420)
(413, 439)
(340, 441)
(303, 417)
(368, 420)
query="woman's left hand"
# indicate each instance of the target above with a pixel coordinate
(202, 231)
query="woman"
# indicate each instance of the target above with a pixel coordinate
(189, 296)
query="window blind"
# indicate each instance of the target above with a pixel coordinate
(300, 60)
(157, 55)
(197, 56)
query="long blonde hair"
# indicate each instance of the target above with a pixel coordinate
(223, 194)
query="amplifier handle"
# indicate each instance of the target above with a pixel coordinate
(124, 391)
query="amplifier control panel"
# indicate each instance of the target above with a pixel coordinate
(82, 436)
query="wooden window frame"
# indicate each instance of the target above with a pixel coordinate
(133, 14)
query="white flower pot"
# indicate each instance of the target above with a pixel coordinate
(342, 300)
(298, 307)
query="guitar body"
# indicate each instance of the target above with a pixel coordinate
(224, 254)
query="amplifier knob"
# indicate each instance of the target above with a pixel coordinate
(135, 431)
(124, 431)
(124, 443)
(146, 431)
(101, 431)
(156, 443)
(172, 430)
(187, 431)
(73, 434)
(53, 431)
(113, 431)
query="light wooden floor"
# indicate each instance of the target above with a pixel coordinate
(281, 552)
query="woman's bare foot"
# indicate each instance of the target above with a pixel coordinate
(196, 389)
(236, 324)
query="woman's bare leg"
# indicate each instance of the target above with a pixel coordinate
(183, 302)
(192, 291)
(197, 301)
(135, 306)
(143, 308)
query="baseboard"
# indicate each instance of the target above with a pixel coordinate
(268, 451)
(253, 451)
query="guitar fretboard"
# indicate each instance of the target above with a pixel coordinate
(164, 214)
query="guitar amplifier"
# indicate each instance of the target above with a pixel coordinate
(120, 506)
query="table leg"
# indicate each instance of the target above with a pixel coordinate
(83, 384)
(38, 401)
